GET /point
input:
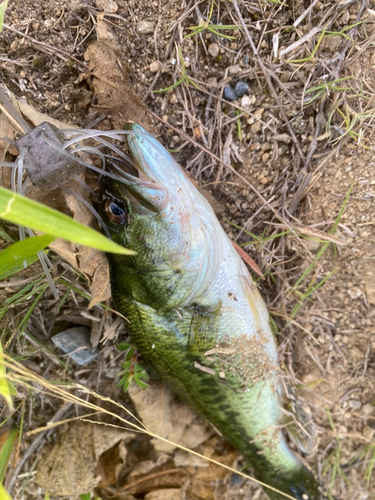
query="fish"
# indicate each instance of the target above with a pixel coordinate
(197, 316)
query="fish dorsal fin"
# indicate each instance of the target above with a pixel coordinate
(299, 424)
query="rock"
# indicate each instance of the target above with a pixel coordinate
(263, 180)
(234, 70)
(265, 157)
(246, 60)
(247, 101)
(368, 409)
(155, 66)
(258, 113)
(107, 6)
(213, 49)
(229, 94)
(368, 432)
(254, 146)
(355, 404)
(370, 289)
(145, 27)
(241, 88)
(256, 128)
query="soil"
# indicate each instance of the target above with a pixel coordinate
(328, 347)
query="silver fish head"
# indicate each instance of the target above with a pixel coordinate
(157, 212)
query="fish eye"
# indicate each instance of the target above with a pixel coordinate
(116, 211)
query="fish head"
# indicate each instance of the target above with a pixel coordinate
(157, 212)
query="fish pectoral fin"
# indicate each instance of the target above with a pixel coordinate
(204, 328)
(300, 426)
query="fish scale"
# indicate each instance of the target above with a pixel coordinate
(196, 315)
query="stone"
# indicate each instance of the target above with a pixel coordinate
(256, 128)
(155, 66)
(76, 342)
(213, 49)
(145, 27)
(368, 409)
(234, 70)
(229, 94)
(107, 6)
(241, 88)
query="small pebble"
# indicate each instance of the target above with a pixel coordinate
(263, 180)
(145, 27)
(155, 66)
(107, 6)
(213, 49)
(246, 59)
(368, 409)
(235, 69)
(173, 99)
(265, 157)
(229, 94)
(254, 146)
(355, 404)
(248, 100)
(241, 88)
(256, 128)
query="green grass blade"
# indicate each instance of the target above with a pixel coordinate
(4, 494)
(6, 452)
(5, 236)
(170, 87)
(5, 389)
(3, 7)
(23, 211)
(13, 257)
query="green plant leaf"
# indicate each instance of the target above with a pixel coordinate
(4, 495)
(12, 258)
(5, 236)
(5, 389)
(23, 211)
(3, 7)
(6, 452)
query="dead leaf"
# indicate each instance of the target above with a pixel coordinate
(108, 76)
(69, 468)
(91, 262)
(169, 494)
(205, 482)
(110, 464)
(35, 117)
(165, 415)
(165, 478)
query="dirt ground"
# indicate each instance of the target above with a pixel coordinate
(290, 153)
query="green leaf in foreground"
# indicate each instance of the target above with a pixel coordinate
(13, 257)
(23, 211)
(4, 494)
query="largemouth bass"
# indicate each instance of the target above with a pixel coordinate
(196, 314)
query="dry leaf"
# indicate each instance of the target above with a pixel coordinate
(69, 468)
(35, 117)
(204, 483)
(165, 415)
(91, 262)
(168, 494)
(108, 75)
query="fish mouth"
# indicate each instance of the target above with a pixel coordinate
(138, 175)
